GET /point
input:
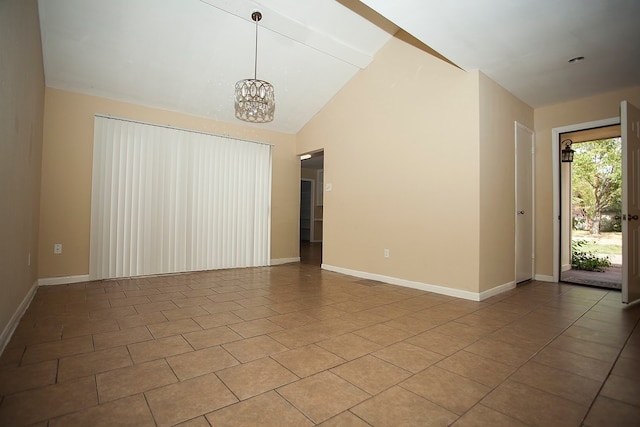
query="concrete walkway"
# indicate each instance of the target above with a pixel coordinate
(611, 278)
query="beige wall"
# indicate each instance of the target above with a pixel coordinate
(66, 175)
(499, 110)
(579, 111)
(21, 111)
(401, 150)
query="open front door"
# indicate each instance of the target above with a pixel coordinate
(630, 126)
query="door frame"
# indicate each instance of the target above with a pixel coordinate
(311, 209)
(555, 151)
(517, 126)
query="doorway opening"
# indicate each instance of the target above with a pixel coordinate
(311, 208)
(591, 209)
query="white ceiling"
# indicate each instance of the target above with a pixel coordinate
(525, 45)
(186, 55)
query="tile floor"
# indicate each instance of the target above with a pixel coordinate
(294, 345)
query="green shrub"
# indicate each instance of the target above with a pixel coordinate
(609, 223)
(581, 260)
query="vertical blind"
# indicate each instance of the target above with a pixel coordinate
(167, 200)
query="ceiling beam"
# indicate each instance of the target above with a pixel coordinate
(295, 31)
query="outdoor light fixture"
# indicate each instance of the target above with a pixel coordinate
(567, 152)
(255, 99)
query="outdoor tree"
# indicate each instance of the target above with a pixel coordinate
(596, 179)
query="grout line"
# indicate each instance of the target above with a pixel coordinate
(153, 417)
(229, 388)
(609, 373)
(293, 405)
(529, 360)
(58, 373)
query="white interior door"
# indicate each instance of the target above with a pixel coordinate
(524, 203)
(630, 126)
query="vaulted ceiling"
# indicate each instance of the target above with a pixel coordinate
(186, 55)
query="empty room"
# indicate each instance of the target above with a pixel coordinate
(337, 213)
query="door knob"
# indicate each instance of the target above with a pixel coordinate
(520, 212)
(617, 217)
(632, 217)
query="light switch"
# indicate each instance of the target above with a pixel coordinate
(328, 187)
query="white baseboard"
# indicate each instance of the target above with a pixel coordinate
(15, 319)
(497, 290)
(543, 278)
(280, 261)
(443, 290)
(48, 281)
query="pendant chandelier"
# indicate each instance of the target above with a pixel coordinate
(255, 99)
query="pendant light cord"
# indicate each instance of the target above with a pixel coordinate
(256, 16)
(255, 64)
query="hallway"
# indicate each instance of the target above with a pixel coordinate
(311, 253)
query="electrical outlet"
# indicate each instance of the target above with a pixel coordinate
(57, 248)
(386, 253)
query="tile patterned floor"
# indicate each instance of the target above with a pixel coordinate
(295, 345)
